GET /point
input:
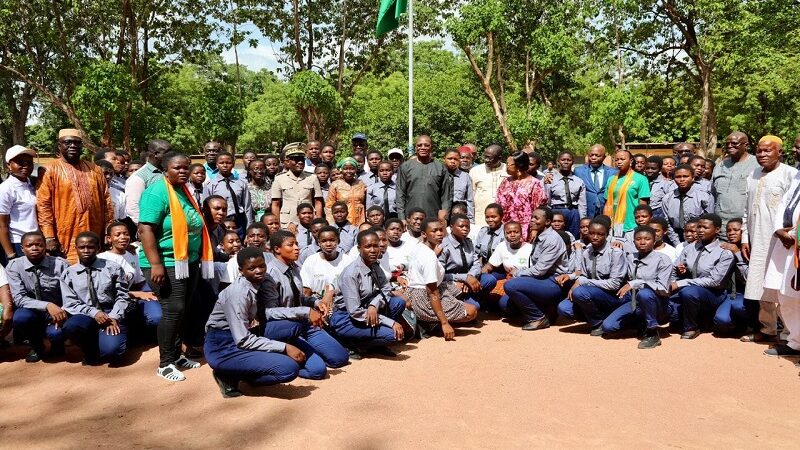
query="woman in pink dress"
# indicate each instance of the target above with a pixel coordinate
(520, 194)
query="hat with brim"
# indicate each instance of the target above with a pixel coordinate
(17, 150)
(395, 151)
(294, 149)
(359, 137)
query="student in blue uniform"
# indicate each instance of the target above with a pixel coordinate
(597, 277)
(734, 313)
(364, 311)
(95, 295)
(490, 236)
(233, 347)
(686, 201)
(320, 348)
(383, 193)
(702, 273)
(462, 265)
(347, 231)
(35, 282)
(645, 297)
(534, 291)
(567, 194)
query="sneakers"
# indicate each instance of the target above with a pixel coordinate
(228, 387)
(650, 341)
(781, 350)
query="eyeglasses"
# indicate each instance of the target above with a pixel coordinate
(72, 142)
(296, 158)
(395, 156)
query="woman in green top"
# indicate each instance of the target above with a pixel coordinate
(158, 261)
(624, 192)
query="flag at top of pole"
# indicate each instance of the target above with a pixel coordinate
(389, 16)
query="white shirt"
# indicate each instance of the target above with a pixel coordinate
(510, 258)
(118, 200)
(129, 263)
(424, 268)
(18, 201)
(407, 237)
(317, 272)
(670, 251)
(400, 256)
(3, 277)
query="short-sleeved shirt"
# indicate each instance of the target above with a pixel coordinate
(18, 201)
(293, 190)
(638, 190)
(510, 258)
(129, 264)
(154, 210)
(317, 272)
(424, 268)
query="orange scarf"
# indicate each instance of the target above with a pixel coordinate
(180, 236)
(617, 214)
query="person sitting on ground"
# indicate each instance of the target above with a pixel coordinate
(462, 265)
(689, 235)
(734, 313)
(583, 240)
(414, 232)
(430, 299)
(398, 251)
(347, 231)
(95, 295)
(315, 227)
(35, 285)
(231, 244)
(272, 222)
(688, 200)
(702, 273)
(509, 257)
(491, 235)
(646, 295)
(534, 292)
(660, 226)
(311, 311)
(365, 311)
(321, 269)
(596, 279)
(233, 350)
(559, 225)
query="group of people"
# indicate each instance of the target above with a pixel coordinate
(303, 261)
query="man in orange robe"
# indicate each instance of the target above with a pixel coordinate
(72, 197)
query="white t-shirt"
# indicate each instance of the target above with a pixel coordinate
(18, 201)
(424, 268)
(129, 263)
(232, 268)
(118, 201)
(670, 251)
(317, 272)
(407, 237)
(3, 277)
(400, 255)
(509, 258)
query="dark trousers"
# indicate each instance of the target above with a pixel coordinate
(476, 299)
(572, 220)
(174, 297)
(732, 313)
(95, 343)
(321, 349)
(651, 309)
(359, 333)
(253, 366)
(33, 325)
(594, 303)
(241, 223)
(696, 301)
(533, 297)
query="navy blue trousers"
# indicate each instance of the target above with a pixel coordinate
(34, 325)
(321, 349)
(95, 343)
(594, 304)
(253, 366)
(651, 309)
(732, 313)
(572, 220)
(478, 299)
(698, 301)
(533, 297)
(360, 334)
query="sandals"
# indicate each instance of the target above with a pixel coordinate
(185, 363)
(170, 373)
(759, 337)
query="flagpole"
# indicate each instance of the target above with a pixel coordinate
(410, 74)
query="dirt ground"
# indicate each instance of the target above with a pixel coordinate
(495, 386)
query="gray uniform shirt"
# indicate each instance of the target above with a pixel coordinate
(557, 192)
(22, 281)
(603, 268)
(696, 202)
(548, 257)
(713, 264)
(485, 236)
(218, 186)
(109, 283)
(347, 235)
(356, 286)
(284, 296)
(457, 268)
(653, 270)
(375, 196)
(462, 192)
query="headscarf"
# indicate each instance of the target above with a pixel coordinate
(349, 160)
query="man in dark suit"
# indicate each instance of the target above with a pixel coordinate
(595, 175)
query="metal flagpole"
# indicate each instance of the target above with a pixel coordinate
(410, 74)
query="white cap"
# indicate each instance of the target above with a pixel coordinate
(395, 151)
(17, 150)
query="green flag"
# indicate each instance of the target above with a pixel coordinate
(389, 16)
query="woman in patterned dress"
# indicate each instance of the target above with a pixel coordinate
(520, 194)
(350, 190)
(259, 189)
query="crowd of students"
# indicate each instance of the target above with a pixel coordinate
(297, 265)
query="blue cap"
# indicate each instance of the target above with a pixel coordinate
(359, 136)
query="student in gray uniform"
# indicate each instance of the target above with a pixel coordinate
(316, 225)
(384, 192)
(566, 194)
(365, 313)
(534, 291)
(234, 347)
(233, 190)
(687, 201)
(371, 176)
(596, 279)
(462, 184)
(95, 295)
(462, 266)
(645, 298)
(734, 312)
(702, 273)
(490, 236)
(35, 282)
(347, 231)
(305, 215)
(698, 165)
(320, 348)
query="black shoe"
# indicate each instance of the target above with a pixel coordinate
(781, 350)
(91, 361)
(227, 387)
(540, 324)
(691, 334)
(650, 342)
(383, 351)
(355, 355)
(33, 356)
(597, 331)
(56, 351)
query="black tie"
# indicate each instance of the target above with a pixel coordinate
(373, 275)
(490, 249)
(233, 196)
(295, 289)
(633, 291)
(386, 201)
(198, 195)
(594, 265)
(308, 236)
(92, 291)
(568, 193)
(595, 179)
(681, 218)
(37, 287)
(697, 262)
(463, 256)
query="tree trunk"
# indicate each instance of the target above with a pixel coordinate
(485, 80)
(106, 140)
(708, 120)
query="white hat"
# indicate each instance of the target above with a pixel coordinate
(17, 150)
(395, 151)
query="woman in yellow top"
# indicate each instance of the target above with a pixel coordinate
(350, 190)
